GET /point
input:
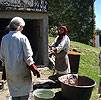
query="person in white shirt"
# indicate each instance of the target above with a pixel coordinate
(61, 46)
(16, 56)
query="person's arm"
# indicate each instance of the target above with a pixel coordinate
(28, 57)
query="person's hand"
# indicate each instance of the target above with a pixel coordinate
(35, 70)
(54, 49)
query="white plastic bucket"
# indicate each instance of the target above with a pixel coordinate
(43, 94)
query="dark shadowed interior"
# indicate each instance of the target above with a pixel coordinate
(32, 31)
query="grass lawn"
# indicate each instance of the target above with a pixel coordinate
(89, 63)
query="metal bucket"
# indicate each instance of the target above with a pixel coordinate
(43, 94)
(82, 91)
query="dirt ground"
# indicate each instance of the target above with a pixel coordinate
(47, 80)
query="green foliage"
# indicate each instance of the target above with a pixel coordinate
(53, 30)
(51, 39)
(77, 15)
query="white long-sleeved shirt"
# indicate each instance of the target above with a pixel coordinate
(16, 54)
(63, 45)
